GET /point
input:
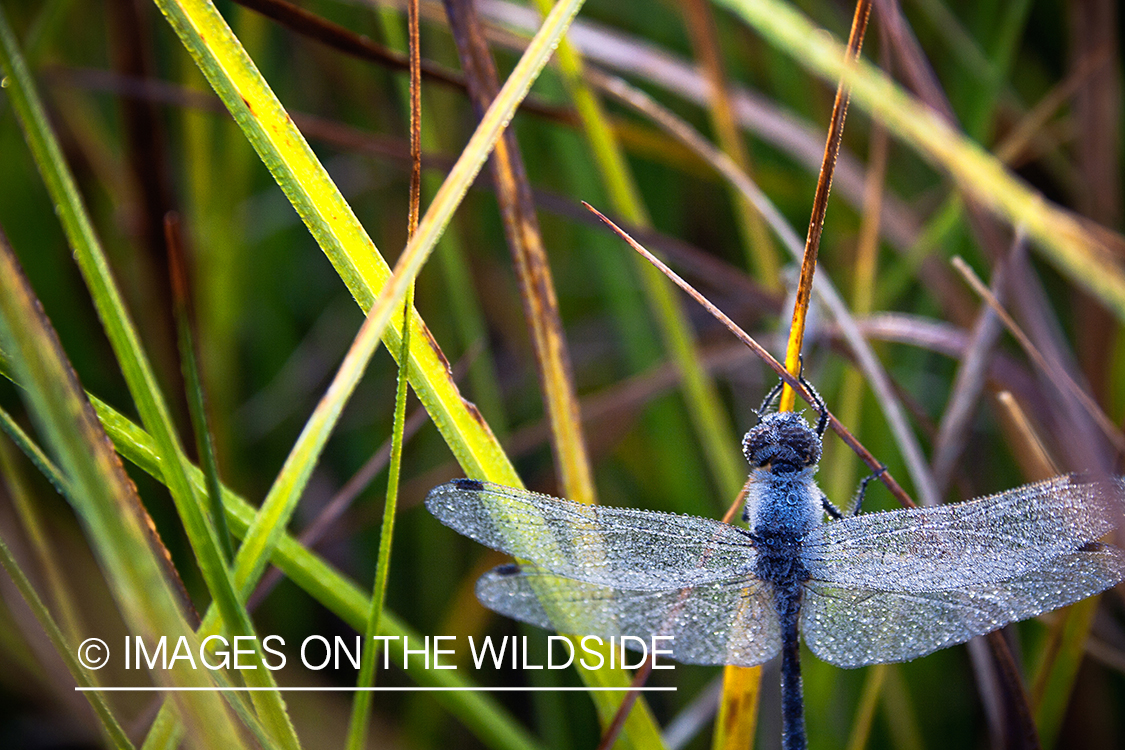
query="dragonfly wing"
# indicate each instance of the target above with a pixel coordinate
(989, 539)
(621, 547)
(852, 627)
(730, 622)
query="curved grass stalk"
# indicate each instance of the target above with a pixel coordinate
(1058, 234)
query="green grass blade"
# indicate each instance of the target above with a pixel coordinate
(357, 731)
(97, 701)
(34, 529)
(1055, 677)
(105, 498)
(33, 452)
(193, 383)
(1058, 234)
(134, 366)
(868, 702)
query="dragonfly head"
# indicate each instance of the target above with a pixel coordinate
(782, 441)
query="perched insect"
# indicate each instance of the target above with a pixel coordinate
(861, 589)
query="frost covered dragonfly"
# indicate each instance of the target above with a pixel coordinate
(861, 589)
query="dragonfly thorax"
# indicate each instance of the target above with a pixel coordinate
(785, 504)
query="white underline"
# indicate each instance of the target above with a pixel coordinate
(411, 689)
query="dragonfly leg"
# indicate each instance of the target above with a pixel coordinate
(835, 513)
(859, 493)
(769, 399)
(817, 402)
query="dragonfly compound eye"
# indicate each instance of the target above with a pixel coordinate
(783, 441)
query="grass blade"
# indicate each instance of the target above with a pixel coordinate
(193, 381)
(104, 496)
(868, 702)
(533, 271)
(738, 708)
(357, 729)
(135, 366)
(109, 722)
(361, 703)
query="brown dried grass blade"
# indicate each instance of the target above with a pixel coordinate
(533, 273)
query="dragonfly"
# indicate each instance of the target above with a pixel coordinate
(859, 588)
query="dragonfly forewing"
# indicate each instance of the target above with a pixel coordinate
(620, 547)
(986, 540)
(851, 626)
(728, 622)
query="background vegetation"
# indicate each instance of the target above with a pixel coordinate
(995, 136)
